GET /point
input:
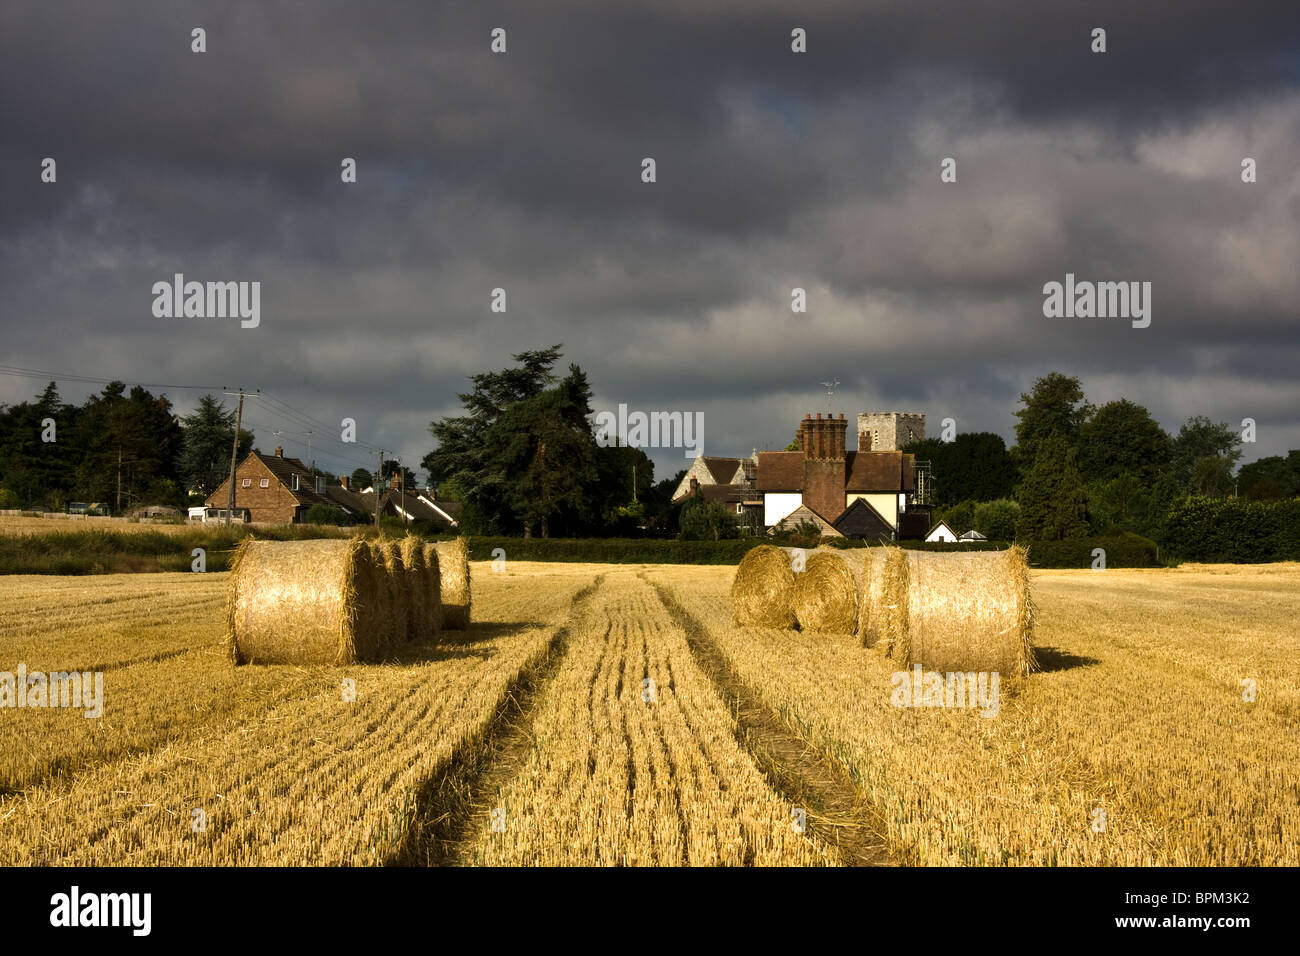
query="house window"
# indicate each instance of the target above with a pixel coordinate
(246, 483)
(294, 482)
(740, 509)
(264, 483)
(320, 484)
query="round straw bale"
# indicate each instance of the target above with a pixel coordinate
(960, 612)
(838, 591)
(453, 564)
(826, 593)
(303, 602)
(419, 621)
(762, 594)
(388, 560)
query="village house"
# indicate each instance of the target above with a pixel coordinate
(272, 489)
(725, 481)
(874, 492)
(415, 504)
(278, 490)
(711, 471)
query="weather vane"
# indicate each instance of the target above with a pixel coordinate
(830, 392)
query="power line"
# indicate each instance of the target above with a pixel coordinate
(326, 456)
(308, 422)
(92, 380)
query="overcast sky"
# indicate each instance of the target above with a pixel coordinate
(775, 170)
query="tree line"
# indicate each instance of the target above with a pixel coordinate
(523, 459)
(1077, 469)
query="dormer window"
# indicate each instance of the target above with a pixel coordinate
(320, 484)
(294, 483)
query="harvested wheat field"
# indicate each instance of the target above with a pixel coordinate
(617, 715)
(27, 524)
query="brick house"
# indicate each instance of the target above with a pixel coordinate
(279, 490)
(870, 490)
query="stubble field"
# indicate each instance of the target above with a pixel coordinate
(613, 714)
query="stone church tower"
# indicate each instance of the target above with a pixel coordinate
(889, 431)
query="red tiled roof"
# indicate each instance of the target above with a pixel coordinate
(880, 471)
(779, 471)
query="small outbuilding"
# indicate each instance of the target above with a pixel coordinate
(941, 532)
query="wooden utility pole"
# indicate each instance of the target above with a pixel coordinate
(119, 480)
(379, 485)
(234, 452)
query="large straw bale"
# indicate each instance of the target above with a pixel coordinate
(959, 612)
(839, 591)
(453, 565)
(303, 602)
(762, 593)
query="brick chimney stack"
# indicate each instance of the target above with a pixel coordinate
(824, 464)
(279, 451)
(343, 481)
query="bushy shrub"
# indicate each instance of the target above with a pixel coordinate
(321, 513)
(614, 550)
(1126, 550)
(1233, 530)
(996, 520)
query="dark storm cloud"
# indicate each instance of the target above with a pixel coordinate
(774, 171)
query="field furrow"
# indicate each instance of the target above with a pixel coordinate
(1139, 717)
(635, 760)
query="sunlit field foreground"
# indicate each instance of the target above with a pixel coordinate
(582, 720)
